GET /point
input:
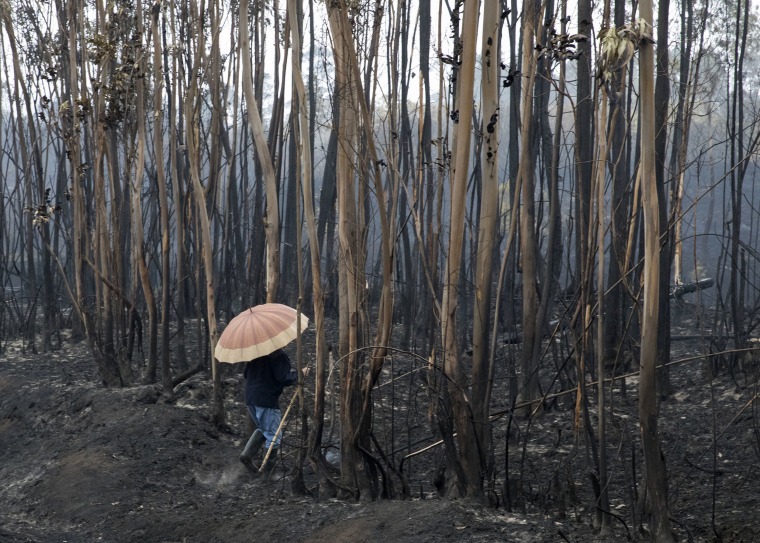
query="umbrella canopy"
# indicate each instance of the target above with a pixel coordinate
(258, 331)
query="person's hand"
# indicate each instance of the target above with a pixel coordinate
(305, 371)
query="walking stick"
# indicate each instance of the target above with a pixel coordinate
(279, 430)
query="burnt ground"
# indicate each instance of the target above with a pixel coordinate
(80, 463)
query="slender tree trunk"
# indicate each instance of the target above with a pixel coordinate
(354, 473)
(550, 151)
(481, 371)
(662, 107)
(466, 456)
(158, 145)
(302, 158)
(426, 188)
(192, 134)
(680, 142)
(656, 474)
(620, 171)
(602, 518)
(137, 221)
(401, 152)
(738, 165)
(272, 216)
(173, 98)
(526, 179)
(314, 448)
(584, 129)
(388, 235)
(72, 144)
(550, 279)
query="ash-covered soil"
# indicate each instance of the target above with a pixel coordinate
(81, 463)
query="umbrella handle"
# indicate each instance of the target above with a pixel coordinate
(279, 430)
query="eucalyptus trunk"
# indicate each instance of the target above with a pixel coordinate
(620, 171)
(584, 130)
(314, 448)
(462, 454)
(656, 474)
(526, 179)
(661, 112)
(356, 475)
(192, 111)
(177, 171)
(137, 215)
(738, 164)
(272, 215)
(601, 488)
(163, 202)
(482, 384)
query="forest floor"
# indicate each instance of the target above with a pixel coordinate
(81, 463)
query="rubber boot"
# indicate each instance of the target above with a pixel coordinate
(266, 470)
(252, 448)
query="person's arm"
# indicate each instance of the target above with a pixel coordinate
(284, 373)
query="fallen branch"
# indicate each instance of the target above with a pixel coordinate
(678, 291)
(184, 376)
(701, 336)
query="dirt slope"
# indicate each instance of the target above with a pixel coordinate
(80, 463)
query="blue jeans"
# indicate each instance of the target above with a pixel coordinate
(267, 419)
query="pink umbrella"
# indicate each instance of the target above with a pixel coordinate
(258, 331)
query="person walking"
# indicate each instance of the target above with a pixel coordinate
(265, 379)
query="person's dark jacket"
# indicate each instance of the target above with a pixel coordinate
(266, 377)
